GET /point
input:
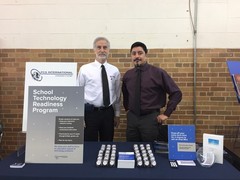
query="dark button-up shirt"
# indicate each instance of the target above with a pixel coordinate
(156, 84)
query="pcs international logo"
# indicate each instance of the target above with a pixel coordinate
(36, 75)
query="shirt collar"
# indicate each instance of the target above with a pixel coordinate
(143, 67)
(99, 64)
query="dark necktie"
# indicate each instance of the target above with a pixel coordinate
(106, 99)
(137, 105)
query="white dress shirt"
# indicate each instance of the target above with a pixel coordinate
(90, 77)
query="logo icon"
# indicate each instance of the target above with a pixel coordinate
(36, 75)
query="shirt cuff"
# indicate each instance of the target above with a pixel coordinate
(168, 112)
(117, 113)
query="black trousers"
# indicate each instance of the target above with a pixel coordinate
(99, 125)
(142, 128)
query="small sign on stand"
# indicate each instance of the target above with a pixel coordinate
(234, 70)
(181, 142)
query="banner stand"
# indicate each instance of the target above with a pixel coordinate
(21, 143)
(55, 125)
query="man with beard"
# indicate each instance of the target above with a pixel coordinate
(101, 116)
(144, 101)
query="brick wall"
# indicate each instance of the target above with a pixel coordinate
(215, 96)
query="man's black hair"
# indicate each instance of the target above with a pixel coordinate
(137, 44)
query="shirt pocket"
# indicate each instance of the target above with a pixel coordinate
(112, 82)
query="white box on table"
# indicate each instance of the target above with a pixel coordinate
(126, 160)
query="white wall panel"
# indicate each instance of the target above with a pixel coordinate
(234, 25)
(159, 23)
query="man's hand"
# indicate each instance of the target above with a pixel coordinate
(161, 118)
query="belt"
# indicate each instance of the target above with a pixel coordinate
(143, 113)
(102, 108)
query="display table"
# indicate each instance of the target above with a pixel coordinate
(233, 153)
(88, 169)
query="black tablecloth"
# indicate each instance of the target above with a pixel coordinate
(88, 169)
